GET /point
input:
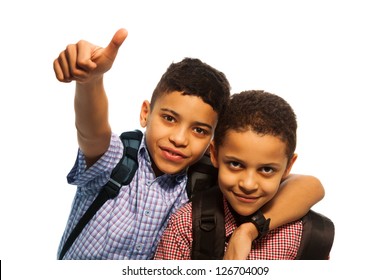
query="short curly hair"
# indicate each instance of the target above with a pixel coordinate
(191, 76)
(262, 113)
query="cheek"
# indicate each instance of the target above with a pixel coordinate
(199, 146)
(226, 178)
(154, 130)
(271, 187)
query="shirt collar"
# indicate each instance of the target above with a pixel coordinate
(230, 222)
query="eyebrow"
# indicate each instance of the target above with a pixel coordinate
(178, 115)
(233, 158)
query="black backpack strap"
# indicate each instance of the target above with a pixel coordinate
(317, 237)
(121, 175)
(201, 175)
(208, 225)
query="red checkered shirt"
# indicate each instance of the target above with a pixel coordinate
(279, 244)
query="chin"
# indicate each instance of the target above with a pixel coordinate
(244, 211)
(170, 169)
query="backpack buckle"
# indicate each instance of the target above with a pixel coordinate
(112, 188)
(207, 223)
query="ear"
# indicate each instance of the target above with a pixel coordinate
(145, 111)
(213, 154)
(290, 165)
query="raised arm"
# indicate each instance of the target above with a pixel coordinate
(86, 64)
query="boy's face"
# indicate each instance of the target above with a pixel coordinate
(178, 131)
(251, 167)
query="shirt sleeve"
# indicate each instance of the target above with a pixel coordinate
(176, 242)
(97, 175)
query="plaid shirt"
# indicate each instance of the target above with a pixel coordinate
(129, 226)
(176, 243)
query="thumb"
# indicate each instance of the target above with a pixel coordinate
(117, 40)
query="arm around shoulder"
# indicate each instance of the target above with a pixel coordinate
(297, 194)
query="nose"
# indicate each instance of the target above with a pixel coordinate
(248, 183)
(179, 137)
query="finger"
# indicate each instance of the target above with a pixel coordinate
(61, 68)
(76, 70)
(64, 66)
(58, 71)
(117, 40)
(83, 58)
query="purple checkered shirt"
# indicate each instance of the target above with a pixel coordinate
(131, 225)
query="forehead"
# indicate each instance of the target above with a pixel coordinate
(255, 148)
(187, 107)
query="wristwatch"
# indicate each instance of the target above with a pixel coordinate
(261, 223)
(258, 219)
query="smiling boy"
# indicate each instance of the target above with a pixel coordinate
(175, 137)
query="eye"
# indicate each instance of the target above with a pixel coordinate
(199, 130)
(267, 170)
(235, 165)
(168, 118)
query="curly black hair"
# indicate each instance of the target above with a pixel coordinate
(191, 76)
(261, 112)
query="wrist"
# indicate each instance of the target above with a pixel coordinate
(90, 82)
(261, 223)
(249, 229)
(257, 219)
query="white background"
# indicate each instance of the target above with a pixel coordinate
(329, 59)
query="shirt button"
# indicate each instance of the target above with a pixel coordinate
(147, 213)
(179, 179)
(138, 247)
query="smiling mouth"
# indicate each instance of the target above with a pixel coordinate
(173, 155)
(244, 198)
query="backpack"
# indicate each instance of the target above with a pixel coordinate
(121, 175)
(203, 175)
(208, 229)
(207, 206)
(208, 220)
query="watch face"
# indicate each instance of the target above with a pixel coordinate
(261, 223)
(255, 218)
